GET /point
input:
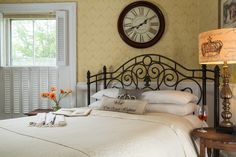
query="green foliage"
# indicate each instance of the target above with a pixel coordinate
(45, 38)
(29, 36)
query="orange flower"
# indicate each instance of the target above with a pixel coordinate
(52, 96)
(62, 91)
(44, 95)
(53, 89)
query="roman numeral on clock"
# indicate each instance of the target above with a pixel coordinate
(154, 16)
(141, 11)
(128, 31)
(134, 36)
(148, 12)
(153, 31)
(141, 39)
(134, 12)
(128, 25)
(130, 18)
(154, 24)
(149, 36)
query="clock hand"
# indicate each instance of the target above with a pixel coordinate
(144, 22)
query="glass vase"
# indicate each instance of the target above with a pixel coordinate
(56, 107)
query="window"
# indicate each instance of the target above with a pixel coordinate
(37, 51)
(33, 42)
(34, 39)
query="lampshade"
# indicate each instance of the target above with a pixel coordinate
(217, 46)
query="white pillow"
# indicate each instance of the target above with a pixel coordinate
(177, 109)
(96, 104)
(169, 97)
(109, 92)
(121, 105)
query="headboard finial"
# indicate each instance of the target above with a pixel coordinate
(104, 68)
(105, 76)
(88, 87)
(88, 74)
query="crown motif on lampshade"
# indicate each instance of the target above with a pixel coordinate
(211, 48)
(217, 46)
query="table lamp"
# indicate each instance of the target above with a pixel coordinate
(219, 47)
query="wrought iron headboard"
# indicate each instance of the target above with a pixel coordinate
(154, 72)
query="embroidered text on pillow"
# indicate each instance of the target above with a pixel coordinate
(123, 105)
(119, 109)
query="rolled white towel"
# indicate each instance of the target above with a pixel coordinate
(60, 120)
(50, 117)
(41, 118)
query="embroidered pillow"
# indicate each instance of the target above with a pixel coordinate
(121, 105)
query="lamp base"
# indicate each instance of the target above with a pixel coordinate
(227, 130)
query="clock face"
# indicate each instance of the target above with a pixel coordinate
(141, 24)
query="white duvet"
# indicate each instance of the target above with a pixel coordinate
(101, 134)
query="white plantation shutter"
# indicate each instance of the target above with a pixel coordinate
(16, 88)
(1, 38)
(22, 88)
(35, 88)
(1, 91)
(43, 86)
(25, 90)
(62, 38)
(53, 78)
(7, 90)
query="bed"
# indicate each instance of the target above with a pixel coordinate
(118, 134)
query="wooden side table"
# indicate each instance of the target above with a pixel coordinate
(35, 112)
(214, 140)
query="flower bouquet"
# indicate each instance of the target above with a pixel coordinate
(56, 96)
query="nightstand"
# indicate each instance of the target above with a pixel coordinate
(35, 112)
(214, 140)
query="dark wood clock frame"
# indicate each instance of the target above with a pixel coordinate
(158, 35)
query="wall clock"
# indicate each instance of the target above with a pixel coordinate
(141, 24)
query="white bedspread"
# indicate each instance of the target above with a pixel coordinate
(101, 134)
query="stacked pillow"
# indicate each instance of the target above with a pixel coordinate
(168, 101)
